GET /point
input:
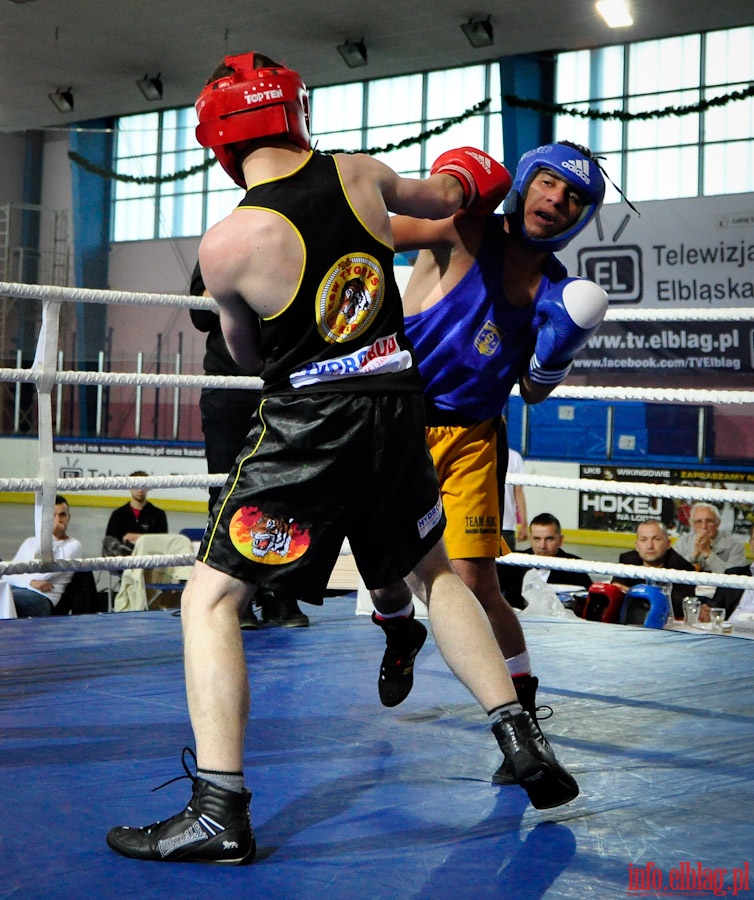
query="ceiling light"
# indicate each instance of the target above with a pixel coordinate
(150, 87)
(615, 13)
(62, 100)
(354, 53)
(479, 32)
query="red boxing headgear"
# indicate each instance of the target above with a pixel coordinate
(250, 103)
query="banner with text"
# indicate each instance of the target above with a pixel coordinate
(620, 512)
(680, 255)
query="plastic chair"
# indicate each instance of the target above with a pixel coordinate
(142, 589)
(195, 535)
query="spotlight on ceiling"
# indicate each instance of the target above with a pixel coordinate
(615, 13)
(62, 100)
(151, 87)
(479, 32)
(354, 53)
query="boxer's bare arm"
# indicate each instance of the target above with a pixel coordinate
(375, 190)
(450, 248)
(410, 233)
(251, 262)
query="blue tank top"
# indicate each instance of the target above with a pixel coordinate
(472, 345)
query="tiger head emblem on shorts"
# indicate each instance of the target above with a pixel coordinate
(269, 539)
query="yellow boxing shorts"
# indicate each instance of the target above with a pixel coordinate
(465, 457)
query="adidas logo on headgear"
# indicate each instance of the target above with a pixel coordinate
(579, 167)
(483, 160)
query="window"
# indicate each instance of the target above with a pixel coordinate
(709, 152)
(162, 143)
(369, 115)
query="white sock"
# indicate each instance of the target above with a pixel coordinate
(520, 664)
(401, 614)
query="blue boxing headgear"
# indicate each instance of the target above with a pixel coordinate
(647, 605)
(578, 170)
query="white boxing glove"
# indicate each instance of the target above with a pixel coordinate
(566, 316)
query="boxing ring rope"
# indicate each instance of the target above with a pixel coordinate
(630, 488)
(667, 576)
(45, 376)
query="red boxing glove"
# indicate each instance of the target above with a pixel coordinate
(484, 180)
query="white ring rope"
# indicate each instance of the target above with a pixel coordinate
(45, 375)
(36, 376)
(727, 314)
(649, 395)
(631, 488)
(113, 482)
(92, 295)
(659, 395)
(644, 573)
(96, 564)
(627, 488)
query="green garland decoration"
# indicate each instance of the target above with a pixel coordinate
(161, 179)
(136, 179)
(420, 138)
(555, 109)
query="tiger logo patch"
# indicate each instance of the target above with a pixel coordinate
(268, 539)
(349, 297)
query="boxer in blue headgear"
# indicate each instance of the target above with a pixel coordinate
(568, 163)
(488, 305)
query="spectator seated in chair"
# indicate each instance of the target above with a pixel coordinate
(546, 538)
(38, 594)
(738, 603)
(708, 547)
(653, 550)
(129, 522)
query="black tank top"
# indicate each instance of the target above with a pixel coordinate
(343, 329)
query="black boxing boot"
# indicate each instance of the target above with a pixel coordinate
(531, 762)
(526, 693)
(404, 637)
(214, 828)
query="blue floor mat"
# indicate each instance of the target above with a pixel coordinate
(352, 800)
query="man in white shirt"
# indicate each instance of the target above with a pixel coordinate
(36, 594)
(513, 517)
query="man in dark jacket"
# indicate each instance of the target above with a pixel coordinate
(546, 538)
(654, 551)
(129, 522)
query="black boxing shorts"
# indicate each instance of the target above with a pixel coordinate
(320, 467)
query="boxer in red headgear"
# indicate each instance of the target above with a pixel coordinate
(303, 274)
(249, 97)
